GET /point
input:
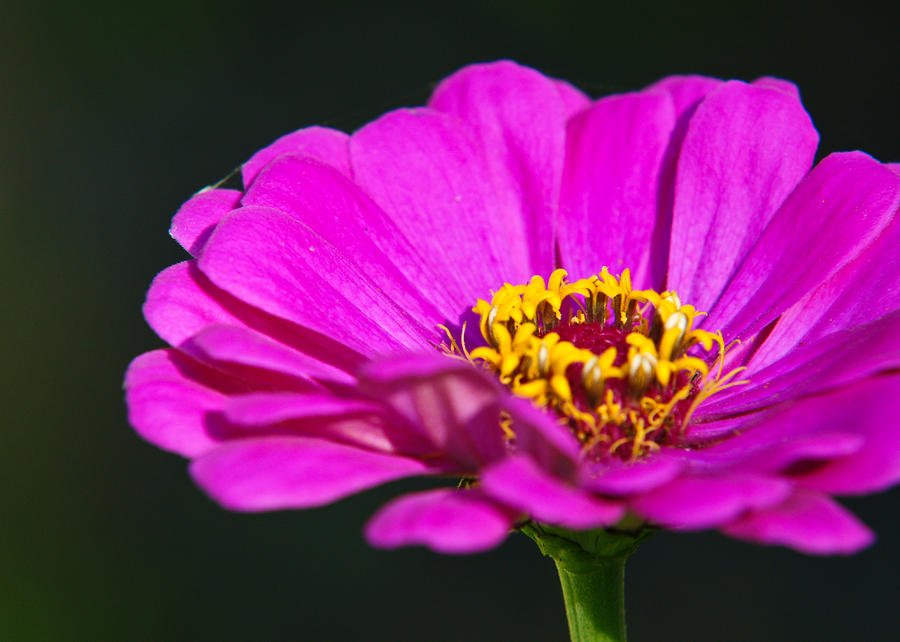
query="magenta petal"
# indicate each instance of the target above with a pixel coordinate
(336, 210)
(778, 84)
(835, 212)
(574, 100)
(274, 407)
(271, 261)
(839, 359)
(744, 151)
(325, 144)
(236, 345)
(424, 169)
(702, 502)
(167, 408)
(861, 408)
(444, 520)
(182, 303)
(356, 422)
(519, 482)
(543, 437)
(293, 472)
(853, 410)
(452, 403)
(177, 307)
(807, 522)
(686, 91)
(518, 115)
(615, 477)
(608, 210)
(195, 220)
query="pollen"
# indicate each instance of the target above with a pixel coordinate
(624, 369)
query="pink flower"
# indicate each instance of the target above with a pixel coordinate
(328, 335)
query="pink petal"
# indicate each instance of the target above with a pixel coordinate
(273, 262)
(856, 410)
(325, 144)
(574, 100)
(452, 403)
(195, 220)
(182, 303)
(427, 173)
(839, 359)
(274, 407)
(336, 209)
(234, 345)
(169, 409)
(702, 502)
(778, 84)
(293, 472)
(862, 408)
(863, 289)
(446, 521)
(616, 477)
(614, 160)
(745, 149)
(349, 421)
(807, 522)
(833, 215)
(519, 482)
(686, 91)
(518, 116)
(543, 437)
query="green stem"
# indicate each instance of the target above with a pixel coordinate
(591, 566)
(595, 601)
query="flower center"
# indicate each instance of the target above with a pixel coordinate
(623, 368)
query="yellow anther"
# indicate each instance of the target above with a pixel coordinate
(489, 355)
(556, 279)
(560, 385)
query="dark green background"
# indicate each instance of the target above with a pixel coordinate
(111, 115)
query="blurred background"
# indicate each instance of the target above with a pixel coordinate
(112, 114)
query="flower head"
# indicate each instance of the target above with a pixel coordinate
(650, 305)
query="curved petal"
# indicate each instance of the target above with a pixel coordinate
(518, 116)
(864, 409)
(686, 91)
(293, 472)
(452, 403)
(336, 209)
(182, 303)
(610, 194)
(745, 150)
(426, 172)
(197, 218)
(169, 409)
(234, 345)
(865, 288)
(444, 520)
(273, 262)
(327, 145)
(839, 359)
(859, 409)
(834, 214)
(357, 422)
(695, 502)
(807, 522)
(518, 481)
(615, 477)
(574, 100)
(542, 437)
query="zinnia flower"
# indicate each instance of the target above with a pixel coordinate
(645, 309)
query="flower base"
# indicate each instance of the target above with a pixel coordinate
(591, 567)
